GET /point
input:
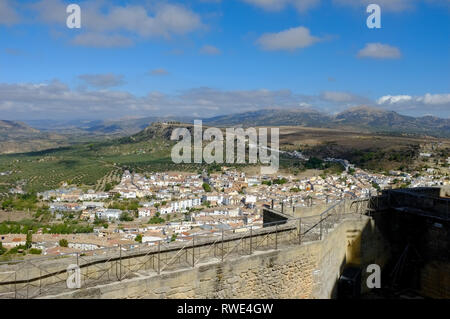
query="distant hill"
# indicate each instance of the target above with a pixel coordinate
(19, 137)
(374, 119)
(12, 127)
(359, 118)
(275, 117)
(121, 127)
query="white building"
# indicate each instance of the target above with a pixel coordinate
(109, 214)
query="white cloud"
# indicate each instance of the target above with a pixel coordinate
(57, 100)
(210, 50)
(435, 99)
(8, 13)
(290, 39)
(102, 81)
(427, 99)
(394, 99)
(338, 96)
(379, 51)
(277, 5)
(436, 104)
(108, 25)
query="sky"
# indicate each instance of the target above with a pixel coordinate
(211, 57)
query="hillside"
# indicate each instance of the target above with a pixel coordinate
(90, 164)
(360, 118)
(274, 117)
(19, 137)
(95, 164)
(389, 121)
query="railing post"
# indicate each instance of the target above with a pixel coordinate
(159, 257)
(276, 236)
(320, 224)
(15, 284)
(222, 246)
(28, 279)
(120, 262)
(299, 230)
(193, 251)
(40, 281)
(251, 237)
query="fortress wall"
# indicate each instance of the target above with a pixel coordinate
(309, 270)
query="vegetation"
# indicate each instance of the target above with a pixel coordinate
(29, 240)
(156, 219)
(126, 217)
(63, 243)
(20, 202)
(35, 251)
(280, 181)
(128, 205)
(206, 187)
(138, 238)
(314, 163)
(376, 186)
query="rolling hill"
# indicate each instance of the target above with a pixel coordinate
(362, 118)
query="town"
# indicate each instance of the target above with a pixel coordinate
(147, 208)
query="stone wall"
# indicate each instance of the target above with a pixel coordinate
(309, 270)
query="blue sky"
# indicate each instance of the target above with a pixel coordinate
(211, 57)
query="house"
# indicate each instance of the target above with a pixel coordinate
(109, 214)
(166, 209)
(128, 194)
(146, 212)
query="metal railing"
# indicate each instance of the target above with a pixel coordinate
(44, 276)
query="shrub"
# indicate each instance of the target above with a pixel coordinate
(35, 251)
(125, 217)
(2, 249)
(63, 243)
(206, 187)
(138, 238)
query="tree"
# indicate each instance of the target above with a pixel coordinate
(2, 249)
(125, 217)
(174, 237)
(63, 243)
(138, 238)
(206, 187)
(29, 240)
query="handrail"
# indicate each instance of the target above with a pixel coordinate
(136, 250)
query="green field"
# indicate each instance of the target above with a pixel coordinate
(90, 165)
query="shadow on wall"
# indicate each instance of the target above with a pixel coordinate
(363, 248)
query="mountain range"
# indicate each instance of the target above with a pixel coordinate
(38, 134)
(359, 118)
